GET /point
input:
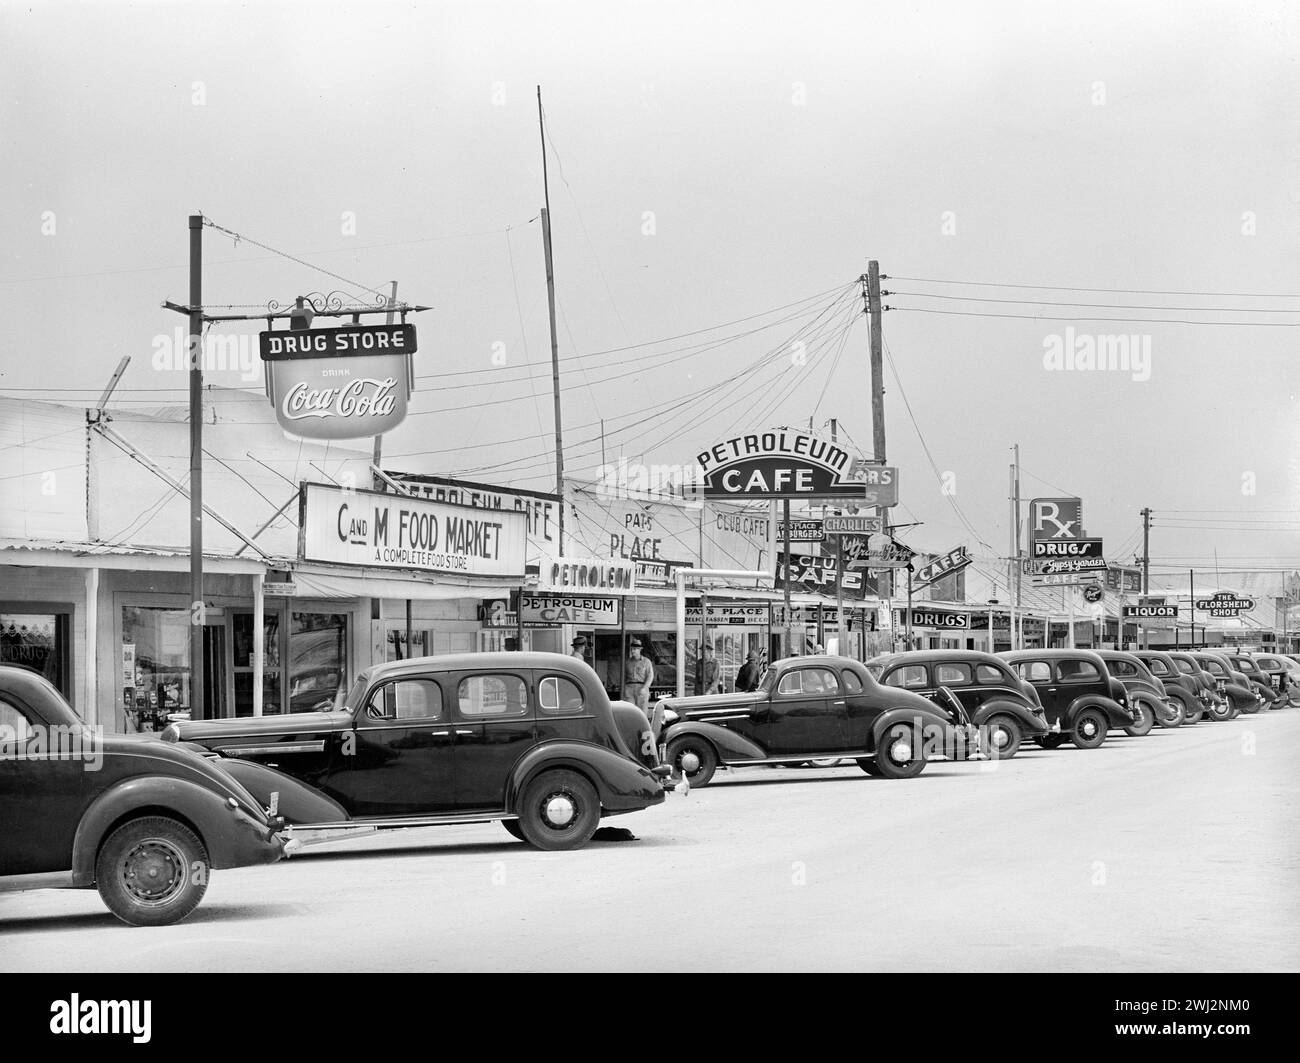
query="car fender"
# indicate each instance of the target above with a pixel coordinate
(1115, 713)
(1030, 723)
(298, 802)
(231, 835)
(622, 784)
(728, 745)
(912, 716)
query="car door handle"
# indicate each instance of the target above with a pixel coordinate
(840, 702)
(460, 732)
(440, 734)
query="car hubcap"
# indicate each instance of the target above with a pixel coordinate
(153, 872)
(901, 751)
(690, 763)
(1089, 729)
(559, 810)
(1000, 738)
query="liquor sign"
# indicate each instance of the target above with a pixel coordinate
(853, 525)
(820, 575)
(339, 383)
(800, 531)
(949, 563)
(1149, 612)
(353, 527)
(1225, 604)
(542, 510)
(586, 573)
(780, 463)
(1067, 548)
(1055, 518)
(938, 618)
(757, 614)
(555, 609)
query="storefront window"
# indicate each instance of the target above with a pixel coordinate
(317, 655)
(155, 665)
(37, 640)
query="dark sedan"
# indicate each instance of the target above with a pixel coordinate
(805, 708)
(529, 739)
(142, 822)
(1078, 694)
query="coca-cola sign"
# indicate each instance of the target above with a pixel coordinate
(339, 383)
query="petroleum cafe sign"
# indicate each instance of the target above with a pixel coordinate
(555, 609)
(339, 383)
(351, 527)
(586, 574)
(779, 463)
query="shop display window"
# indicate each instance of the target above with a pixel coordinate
(38, 640)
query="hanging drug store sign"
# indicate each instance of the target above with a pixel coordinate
(782, 463)
(555, 609)
(351, 527)
(339, 383)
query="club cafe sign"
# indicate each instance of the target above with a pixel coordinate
(339, 383)
(780, 463)
(351, 527)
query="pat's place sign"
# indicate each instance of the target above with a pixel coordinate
(339, 383)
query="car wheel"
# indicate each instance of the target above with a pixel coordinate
(1170, 715)
(152, 871)
(1145, 721)
(899, 754)
(1089, 729)
(559, 810)
(1052, 741)
(693, 758)
(1221, 710)
(825, 762)
(1004, 738)
(1192, 713)
(514, 829)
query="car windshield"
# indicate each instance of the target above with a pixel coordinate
(768, 681)
(350, 702)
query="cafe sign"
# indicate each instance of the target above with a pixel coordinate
(585, 609)
(951, 562)
(345, 526)
(339, 383)
(779, 463)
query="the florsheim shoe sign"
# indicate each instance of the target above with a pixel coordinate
(781, 463)
(339, 383)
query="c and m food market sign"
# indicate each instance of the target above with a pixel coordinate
(779, 463)
(351, 527)
(339, 383)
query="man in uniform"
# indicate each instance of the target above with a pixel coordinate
(637, 677)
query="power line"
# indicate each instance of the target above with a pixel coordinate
(1094, 317)
(1076, 288)
(1103, 306)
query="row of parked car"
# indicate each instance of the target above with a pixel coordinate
(531, 740)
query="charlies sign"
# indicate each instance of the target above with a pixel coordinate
(351, 527)
(339, 383)
(779, 463)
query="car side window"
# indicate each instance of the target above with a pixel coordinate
(987, 674)
(907, 676)
(952, 674)
(852, 684)
(14, 725)
(1122, 668)
(821, 681)
(1157, 666)
(406, 699)
(1077, 672)
(558, 696)
(492, 695)
(1035, 671)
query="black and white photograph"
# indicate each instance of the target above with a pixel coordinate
(667, 488)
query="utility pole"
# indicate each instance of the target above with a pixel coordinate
(1146, 568)
(198, 706)
(555, 344)
(379, 440)
(841, 641)
(1019, 641)
(871, 300)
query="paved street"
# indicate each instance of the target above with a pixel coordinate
(1178, 851)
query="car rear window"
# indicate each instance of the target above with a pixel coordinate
(1269, 662)
(1184, 666)
(952, 674)
(1122, 668)
(990, 675)
(1077, 671)
(558, 696)
(907, 675)
(1157, 666)
(492, 695)
(852, 684)
(811, 681)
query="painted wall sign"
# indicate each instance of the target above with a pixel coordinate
(542, 510)
(339, 383)
(779, 463)
(586, 573)
(554, 609)
(1055, 518)
(353, 527)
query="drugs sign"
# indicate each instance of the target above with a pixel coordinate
(936, 618)
(1067, 548)
(1055, 518)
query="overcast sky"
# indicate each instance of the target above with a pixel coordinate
(710, 162)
